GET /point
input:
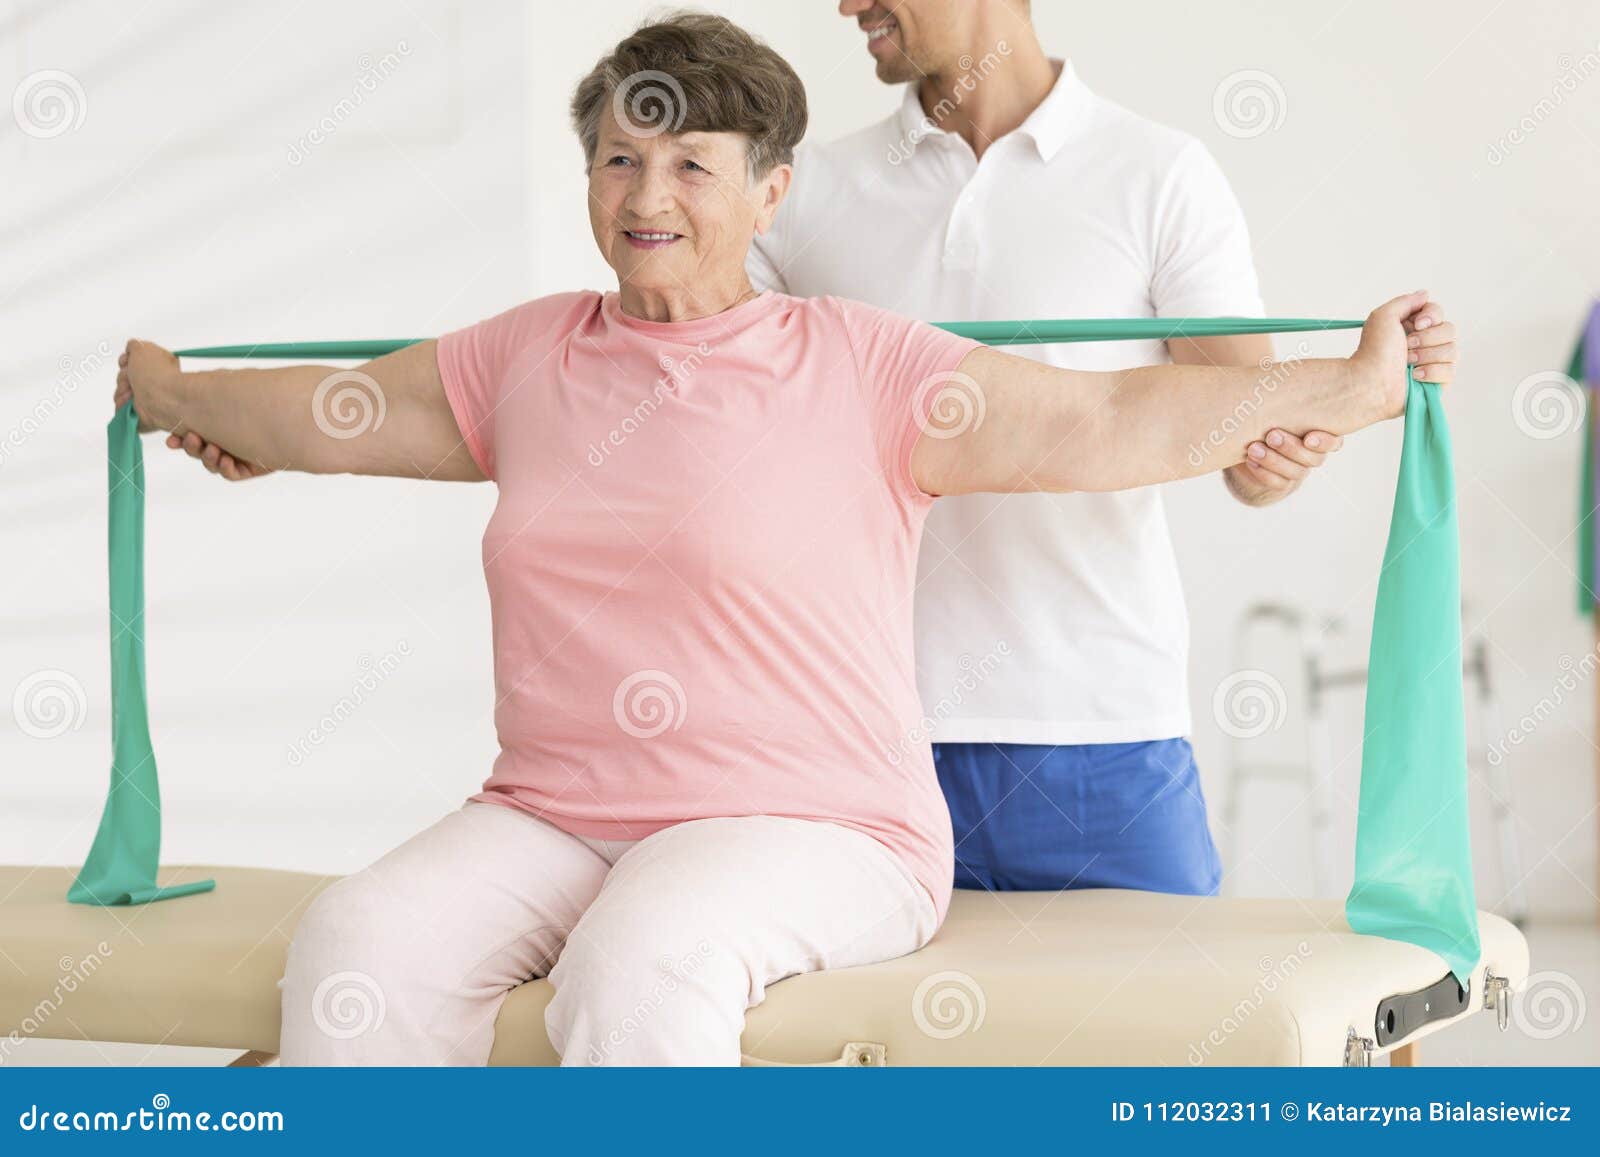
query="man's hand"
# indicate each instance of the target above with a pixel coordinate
(215, 459)
(1275, 467)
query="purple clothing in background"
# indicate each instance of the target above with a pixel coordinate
(1591, 348)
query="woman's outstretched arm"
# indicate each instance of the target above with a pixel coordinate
(1036, 427)
(388, 417)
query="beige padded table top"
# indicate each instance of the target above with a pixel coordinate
(1087, 977)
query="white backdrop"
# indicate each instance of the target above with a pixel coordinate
(232, 172)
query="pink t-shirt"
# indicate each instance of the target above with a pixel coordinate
(701, 564)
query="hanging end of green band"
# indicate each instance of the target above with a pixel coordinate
(101, 896)
(193, 888)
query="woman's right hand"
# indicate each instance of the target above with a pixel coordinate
(145, 375)
(145, 371)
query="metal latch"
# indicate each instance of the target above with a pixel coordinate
(1357, 1051)
(1497, 995)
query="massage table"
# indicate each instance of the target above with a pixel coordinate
(1096, 977)
(1089, 977)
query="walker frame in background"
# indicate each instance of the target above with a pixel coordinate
(1319, 680)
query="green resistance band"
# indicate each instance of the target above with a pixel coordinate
(1413, 878)
(989, 332)
(121, 868)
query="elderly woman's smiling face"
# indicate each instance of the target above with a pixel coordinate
(673, 215)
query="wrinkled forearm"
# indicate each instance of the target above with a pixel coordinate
(1162, 423)
(1053, 429)
(265, 416)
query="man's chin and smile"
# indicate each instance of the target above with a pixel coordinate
(883, 36)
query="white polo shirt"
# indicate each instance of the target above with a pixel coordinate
(1040, 618)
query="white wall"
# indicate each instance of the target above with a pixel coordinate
(190, 207)
(173, 212)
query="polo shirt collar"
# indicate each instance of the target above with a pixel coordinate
(1048, 126)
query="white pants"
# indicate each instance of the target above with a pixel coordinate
(662, 943)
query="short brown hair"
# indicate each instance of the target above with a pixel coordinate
(693, 72)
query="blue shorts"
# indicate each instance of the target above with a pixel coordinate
(1098, 815)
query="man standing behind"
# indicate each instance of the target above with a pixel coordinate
(1052, 639)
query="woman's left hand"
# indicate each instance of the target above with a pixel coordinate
(1408, 331)
(1431, 345)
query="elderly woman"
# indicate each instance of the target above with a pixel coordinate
(700, 568)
